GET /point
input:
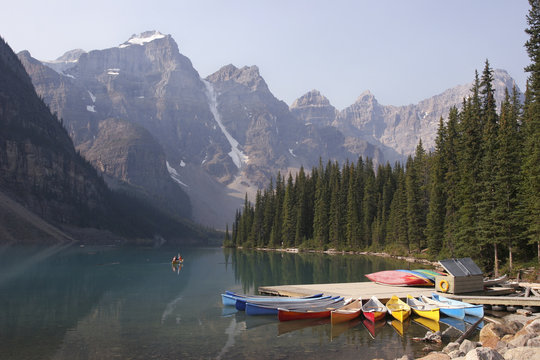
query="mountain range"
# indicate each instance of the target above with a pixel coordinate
(141, 114)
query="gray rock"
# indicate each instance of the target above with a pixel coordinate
(521, 340)
(522, 353)
(534, 342)
(456, 353)
(451, 347)
(514, 326)
(483, 353)
(467, 346)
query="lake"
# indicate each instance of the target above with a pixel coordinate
(71, 302)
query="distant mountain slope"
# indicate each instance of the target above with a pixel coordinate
(221, 136)
(49, 193)
(38, 163)
(396, 130)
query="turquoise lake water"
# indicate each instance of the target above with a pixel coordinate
(68, 302)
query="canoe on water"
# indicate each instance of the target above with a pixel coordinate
(347, 312)
(470, 309)
(308, 313)
(422, 309)
(399, 278)
(271, 308)
(455, 311)
(398, 309)
(229, 298)
(374, 310)
(241, 302)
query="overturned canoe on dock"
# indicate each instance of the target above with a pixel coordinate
(399, 278)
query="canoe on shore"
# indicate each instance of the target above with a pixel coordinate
(374, 310)
(470, 309)
(422, 309)
(347, 312)
(308, 313)
(398, 278)
(455, 311)
(398, 309)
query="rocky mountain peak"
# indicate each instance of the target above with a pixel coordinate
(312, 98)
(366, 96)
(247, 76)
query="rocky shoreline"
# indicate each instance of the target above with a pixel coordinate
(514, 337)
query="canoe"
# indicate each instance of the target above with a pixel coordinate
(422, 275)
(271, 308)
(430, 274)
(470, 309)
(230, 298)
(308, 313)
(398, 278)
(423, 309)
(347, 312)
(374, 310)
(398, 309)
(241, 302)
(455, 311)
(429, 324)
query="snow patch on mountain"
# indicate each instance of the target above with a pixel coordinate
(174, 174)
(237, 156)
(142, 39)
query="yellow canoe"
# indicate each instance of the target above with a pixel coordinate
(398, 309)
(422, 309)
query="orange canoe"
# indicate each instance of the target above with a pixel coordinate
(347, 312)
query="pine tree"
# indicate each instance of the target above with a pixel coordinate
(452, 180)
(508, 175)
(437, 203)
(486, 227)
(531, 129)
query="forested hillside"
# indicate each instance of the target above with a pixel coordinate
(477, 194)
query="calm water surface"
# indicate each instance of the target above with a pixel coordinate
(129, 303)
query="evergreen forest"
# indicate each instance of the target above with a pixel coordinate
(477, 193)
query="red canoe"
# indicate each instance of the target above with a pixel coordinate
(398, 278)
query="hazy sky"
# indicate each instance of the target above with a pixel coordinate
(402, 51)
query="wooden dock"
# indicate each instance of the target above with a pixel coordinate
(365, 290)
(349, 290)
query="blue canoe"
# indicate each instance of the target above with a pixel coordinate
(241, 302)
(271, 308)
(470, 309)
(455, 311)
